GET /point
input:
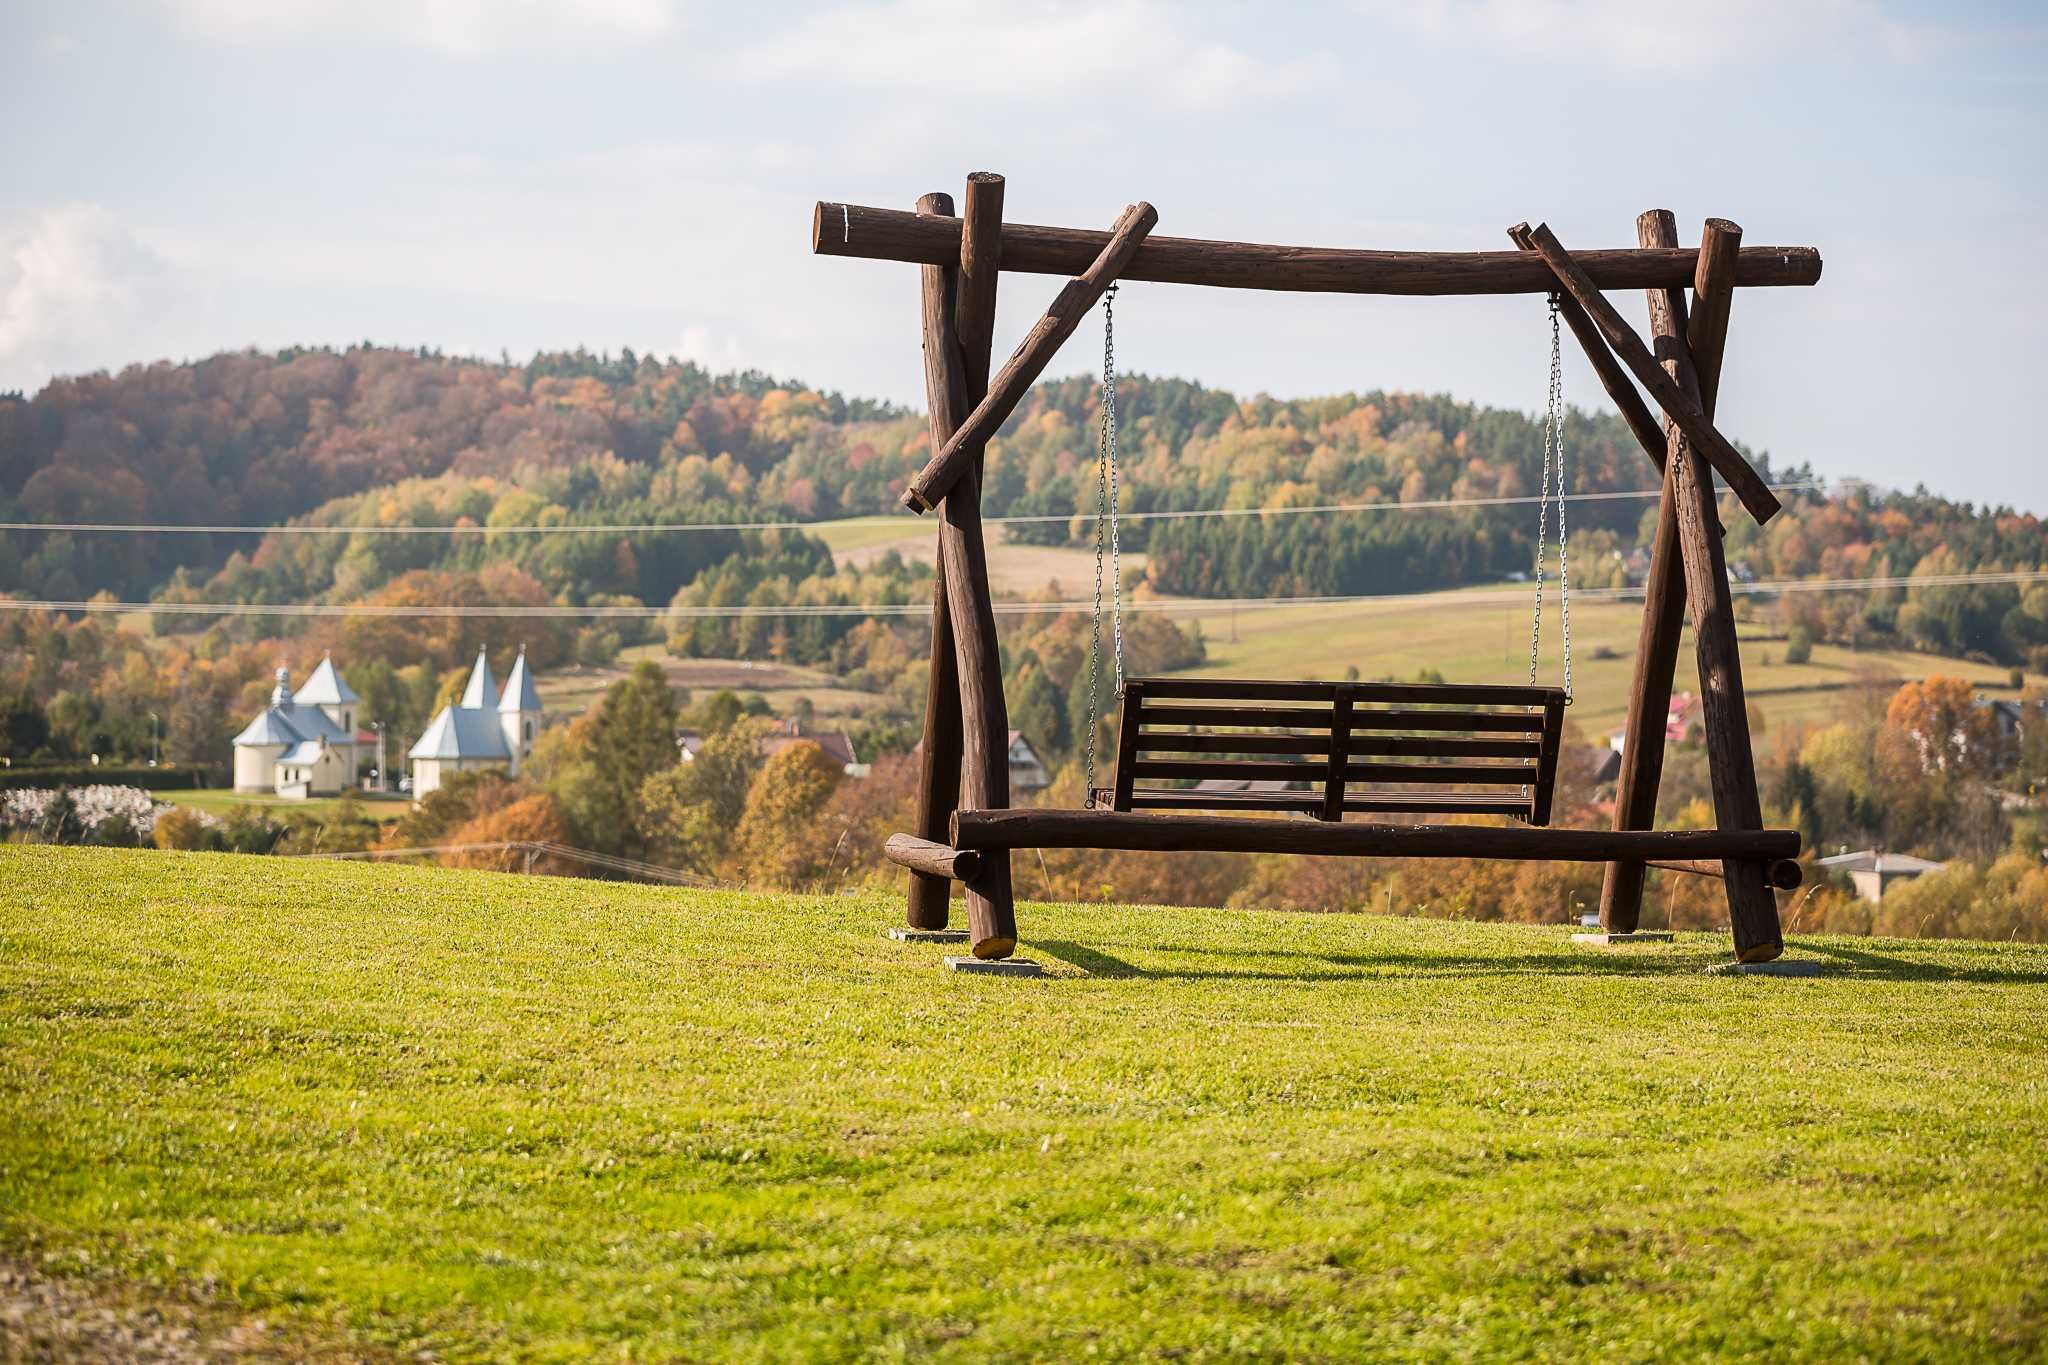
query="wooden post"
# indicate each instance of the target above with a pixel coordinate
(1672, 396)
(1029, 360)
(1752, 907)
(985, 723)
(938, 770)
(1643, 739)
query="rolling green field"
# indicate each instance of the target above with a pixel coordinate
(398, 1109)
(1470, 635)
(224, 801)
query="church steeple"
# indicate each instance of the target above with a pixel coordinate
(482, 687)
(519, 711)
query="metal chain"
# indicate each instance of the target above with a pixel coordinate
(1543, 509)
(1564, 569)
(1105, 516)
(1108, 443)
(1553, 458)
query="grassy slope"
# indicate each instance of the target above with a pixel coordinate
(224, 800)
(497, 1115)
(1484, 641)
(1468, 641)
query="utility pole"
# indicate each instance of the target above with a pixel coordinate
(156, 731)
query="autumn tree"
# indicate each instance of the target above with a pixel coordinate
(1949, 731)
(688, 812)
(778, 842)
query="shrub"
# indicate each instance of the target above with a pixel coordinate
(1798, 645)
(181, 827)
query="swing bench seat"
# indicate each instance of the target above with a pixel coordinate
(1328, 750)
(1333, 749)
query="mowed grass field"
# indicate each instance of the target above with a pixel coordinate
(1479, 634)
(399, 1110)
(223, 801)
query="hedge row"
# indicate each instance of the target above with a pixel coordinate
(112, 775)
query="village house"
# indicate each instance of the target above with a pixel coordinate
(1873, 872)
(837, 744)
(1678, 722)
(305, 743)
(486, 729)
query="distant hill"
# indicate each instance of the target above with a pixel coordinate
(373, 436)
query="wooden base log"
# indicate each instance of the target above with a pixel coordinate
(936, 860)
(1783, 873)
(877, 234)
(1029, 360)
(1029, 828)
(1731, 763)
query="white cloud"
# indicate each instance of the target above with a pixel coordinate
(77, 291)
(459, 27)
(933, 48)
(1631, 35)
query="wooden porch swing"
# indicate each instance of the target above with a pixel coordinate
(1319, 749)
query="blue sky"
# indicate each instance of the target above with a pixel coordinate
(183, 176)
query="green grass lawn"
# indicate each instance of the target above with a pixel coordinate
(495, 1116)
(223, 801)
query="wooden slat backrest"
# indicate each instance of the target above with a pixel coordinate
(1328, 749)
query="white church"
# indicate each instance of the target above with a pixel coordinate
(486, 729)
(305, 743)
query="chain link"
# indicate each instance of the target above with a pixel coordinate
(1106, 494)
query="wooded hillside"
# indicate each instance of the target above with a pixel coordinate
(377, 437)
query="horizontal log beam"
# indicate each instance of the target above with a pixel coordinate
(1678, 405)
(891, 235)
(1022, 828)
(1029, 360)
(937, 860)
(1783, 873)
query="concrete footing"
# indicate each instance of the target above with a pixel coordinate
(905, 934)
(1008, 966)
(1605, 940)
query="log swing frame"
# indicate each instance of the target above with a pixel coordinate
(966, 826)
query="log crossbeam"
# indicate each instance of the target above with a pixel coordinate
(1679, 405)
(1031, 357)
(878, 234)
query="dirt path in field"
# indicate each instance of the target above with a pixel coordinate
(53, 1318)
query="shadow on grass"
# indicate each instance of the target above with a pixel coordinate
(1846, 964)
(1367, 966)
(1862, 964)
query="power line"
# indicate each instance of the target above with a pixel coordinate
(666, 527)
(1190, 606)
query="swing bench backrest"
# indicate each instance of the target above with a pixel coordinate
(1332, 749)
